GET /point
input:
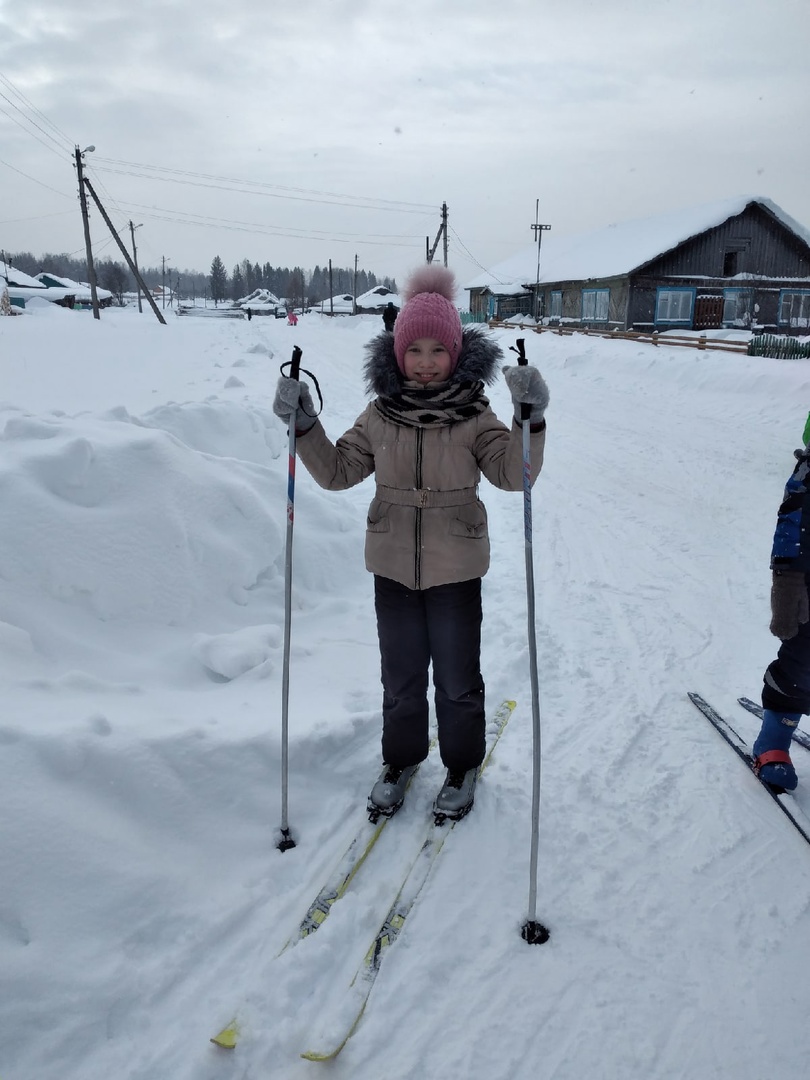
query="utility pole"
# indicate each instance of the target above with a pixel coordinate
(538, 230)
(132, 229)
(354, 288)
(123, 250)
(91, 269)
(331, 291)
(431, 251)
(163, 283)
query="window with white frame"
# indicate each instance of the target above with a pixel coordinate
(595, 305)
(794, 308)
(674, 305)
(555, 306)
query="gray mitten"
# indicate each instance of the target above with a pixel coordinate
(294, 399)
(527, 387)
(789, 603)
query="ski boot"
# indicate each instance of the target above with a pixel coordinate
(772, 762)
(455, 800)
(388, 793)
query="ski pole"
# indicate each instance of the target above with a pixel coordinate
(532, 931)
(286, 842)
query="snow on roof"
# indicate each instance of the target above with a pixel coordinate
(16, 277)
(69, 287)
(342, 302)
(378, 297)
(616, 250)
(258, 298)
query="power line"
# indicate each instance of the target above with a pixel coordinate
(34, 180)
(255, 187)
(291, 231)
(470, 256)
(267, 230)
(15, 90)
(19, 123)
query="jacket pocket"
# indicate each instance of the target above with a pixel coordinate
(377, 520)
(471, 522)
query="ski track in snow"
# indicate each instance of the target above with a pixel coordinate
(144, 902)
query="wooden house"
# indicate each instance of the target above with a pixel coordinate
(740, 262)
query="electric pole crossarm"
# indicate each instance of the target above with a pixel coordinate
(538, 231)
(431, 251)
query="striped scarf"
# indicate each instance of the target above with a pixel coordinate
(426, 406)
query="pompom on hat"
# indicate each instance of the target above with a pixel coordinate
(428, 312)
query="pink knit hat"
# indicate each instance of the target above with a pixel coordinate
(428, 312)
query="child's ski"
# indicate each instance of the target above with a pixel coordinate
(354, 1004)
(798, 736)
(319, 910)
(782, 799)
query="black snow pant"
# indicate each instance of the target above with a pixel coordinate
(786, 686)
(441, 626)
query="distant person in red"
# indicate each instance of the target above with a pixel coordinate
(292, 318)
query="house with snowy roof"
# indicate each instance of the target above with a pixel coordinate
(72, 293)
(340, 304)
(739, 262)
(21, 287)
(373, 301)
(262, 302)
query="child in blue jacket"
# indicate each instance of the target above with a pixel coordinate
(786, 685)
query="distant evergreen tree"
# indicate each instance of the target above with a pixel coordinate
(238, 288)
(318, 286)
(218, 279)
(296, 288)
(246, 273)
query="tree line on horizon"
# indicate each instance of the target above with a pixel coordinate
(296, 284)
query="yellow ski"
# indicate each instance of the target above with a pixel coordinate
(318, 911)
(228, 1036)
(353, 1007)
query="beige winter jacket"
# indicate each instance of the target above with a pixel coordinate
(426, 525)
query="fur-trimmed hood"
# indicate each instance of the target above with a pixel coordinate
(479, 361)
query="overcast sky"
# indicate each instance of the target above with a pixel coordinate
(298, 133)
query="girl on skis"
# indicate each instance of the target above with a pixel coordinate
(427, 436)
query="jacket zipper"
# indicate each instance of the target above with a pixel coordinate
(417, 565)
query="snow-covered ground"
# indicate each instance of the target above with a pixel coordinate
(143, 902)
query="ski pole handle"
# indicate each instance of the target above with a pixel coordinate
(295, 363)
(525, 410)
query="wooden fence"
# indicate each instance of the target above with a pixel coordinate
(702, 342)
(779, 346)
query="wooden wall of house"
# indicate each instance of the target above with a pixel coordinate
(764, 300)
(572, 299)
(754, 242)
(479, 301)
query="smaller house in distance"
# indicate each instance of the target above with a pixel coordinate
(262, 302)
(373, 301)
(340, 304)
(740, 262)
